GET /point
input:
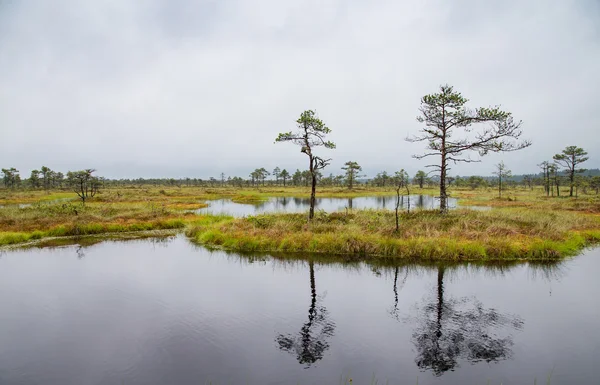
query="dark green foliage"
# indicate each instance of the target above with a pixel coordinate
(83, 183)
(352, 169)
(10, 177)
(570, 158)
(445, 115)
(284, 175)
(595, 184)
(420, 178)
(311, 133)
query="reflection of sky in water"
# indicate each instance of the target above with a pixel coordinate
(155, 312)
(295, 205)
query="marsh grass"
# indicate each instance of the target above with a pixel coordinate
(530, 199)
(499, 234)
(8, 197)
(249, 198)
(83, 229)
(42, 220)
(527, 225)
(93, 239)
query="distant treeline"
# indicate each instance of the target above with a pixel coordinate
(47, 179)
(586, 173)
(520, 177)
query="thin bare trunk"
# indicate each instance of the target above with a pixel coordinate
(397, 206)
(313, 190)
(500, 186)
(443, 194)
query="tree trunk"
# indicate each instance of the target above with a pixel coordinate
(313, 189)
(572, 180)
(499, 186)
(443, 195)
(397, 206)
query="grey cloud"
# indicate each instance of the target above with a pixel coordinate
(187, 88)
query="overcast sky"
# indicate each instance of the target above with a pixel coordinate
(181, 88)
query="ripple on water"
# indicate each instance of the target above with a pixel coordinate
(136, 314)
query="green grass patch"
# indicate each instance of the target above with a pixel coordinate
(83, 229)
(250, 198)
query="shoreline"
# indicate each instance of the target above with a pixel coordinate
(463, 235)
(420, 250)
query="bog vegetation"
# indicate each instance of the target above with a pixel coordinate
(537, 216)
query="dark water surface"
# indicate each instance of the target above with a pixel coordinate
(295, 205)
(155, 312)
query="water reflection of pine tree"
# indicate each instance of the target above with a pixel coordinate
(394, 311)
(311, 343)
(452, 329)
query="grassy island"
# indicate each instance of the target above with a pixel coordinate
(499, 234)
